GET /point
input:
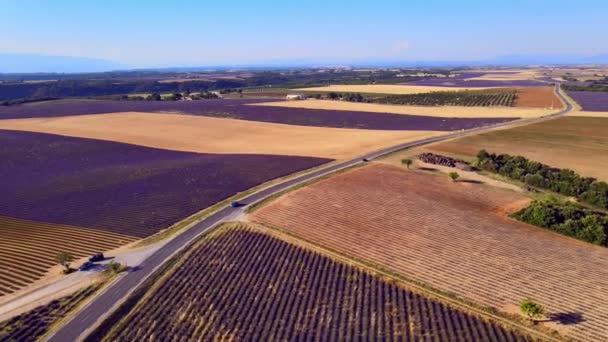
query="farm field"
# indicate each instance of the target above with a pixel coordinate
(436, 111)
(257, 286)
(407, 88)
(29, 248)
(537, 97)
(452, 236)
(120, 188)
(239, 109)
(578, 143)
(480, 80)
(591, 101)
(85, 196)
(216, 135)
(36, 323)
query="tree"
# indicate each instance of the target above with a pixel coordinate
(64, 258)
(454, 176)
(531, 309)
(154, 97)
(114, 267)
(407, 162)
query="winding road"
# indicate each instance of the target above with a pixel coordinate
(89, 316)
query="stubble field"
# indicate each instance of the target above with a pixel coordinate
(386, 88)
(452, 236)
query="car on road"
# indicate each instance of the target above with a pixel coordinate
(96, 257)
(85, 266)
(235, 204)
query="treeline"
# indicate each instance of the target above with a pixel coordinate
(562, 181)
(158, 97)
(86, 88)
(586, 87)
(478, 98)
(567, 219)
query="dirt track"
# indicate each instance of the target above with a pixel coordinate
(216, 135)
(452, 236)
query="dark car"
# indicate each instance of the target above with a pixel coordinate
(235, 204)
(85, 266)
(365, 159)
(96, 257)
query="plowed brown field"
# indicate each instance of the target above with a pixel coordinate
(452, 236)
(29, 248)
(537, 97)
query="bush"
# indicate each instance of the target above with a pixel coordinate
(563, 181)
(567, 219)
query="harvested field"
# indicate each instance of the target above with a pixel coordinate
(120, 188)
(34, 324)
(214, 135)
(578, 143)
(238, 109)
(442, 111)
(592, 101)
(537, 97)
(260, 288)
(406, 88)
(29, 248)
(454, 237)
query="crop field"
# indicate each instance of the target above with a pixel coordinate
(437, 111)
(258, 287)
(120, 188)
(468, 98)
(29, 248)
(537, 97)
(239, 109)
(578, 143)
(398, 89)
(592, 101)
(453, 236)
(475, 80)
(34, 324)
(215, 135)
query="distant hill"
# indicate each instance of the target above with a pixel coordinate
(30, 63)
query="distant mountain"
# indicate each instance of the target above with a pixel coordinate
(30, 63)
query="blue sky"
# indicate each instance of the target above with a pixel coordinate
(167, 33)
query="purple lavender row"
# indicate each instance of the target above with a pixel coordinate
(239, 109)
(119, 187)
(594, 101)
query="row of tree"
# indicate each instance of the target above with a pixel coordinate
(567, 219)
(562, 181)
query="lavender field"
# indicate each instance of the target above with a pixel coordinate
(460, 80)
(239, 109)
(122, 188)
(593, 101)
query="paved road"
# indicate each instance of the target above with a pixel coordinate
(80, 324)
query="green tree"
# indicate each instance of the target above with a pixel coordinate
(114, 268)
(64, 259)
(531, 309)
(454, 176)
(154, 97)
(407, 162)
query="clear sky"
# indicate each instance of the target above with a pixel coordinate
(164, 33)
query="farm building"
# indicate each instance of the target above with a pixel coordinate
(295, 97)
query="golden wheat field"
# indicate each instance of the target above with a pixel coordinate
(218, 135)
(437, 111)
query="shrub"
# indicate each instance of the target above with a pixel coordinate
(567, 219)
(562, 181)
(531, 309)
